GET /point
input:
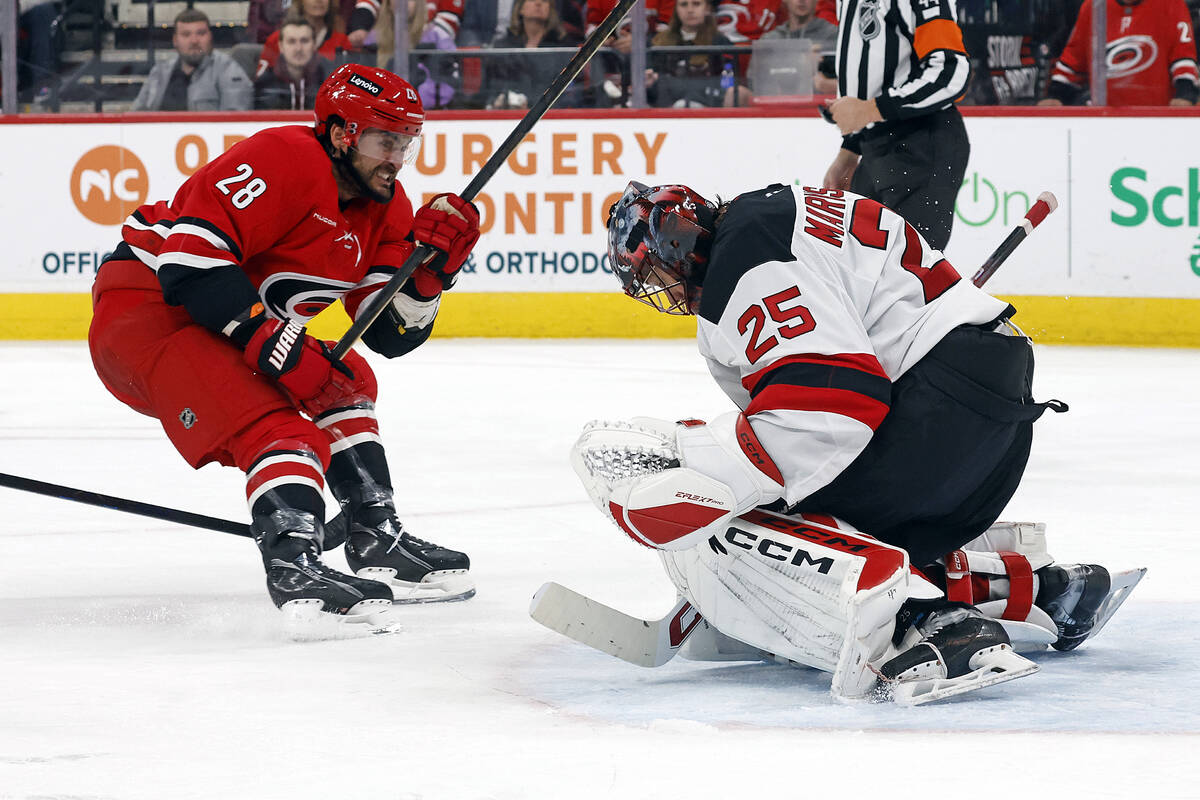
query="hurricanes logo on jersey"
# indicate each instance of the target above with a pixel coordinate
(290, 295)
(108, 183)
(868, 20)
(1130, 55)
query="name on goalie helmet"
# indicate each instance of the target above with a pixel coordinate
(778, 551)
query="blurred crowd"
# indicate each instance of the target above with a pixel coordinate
(475, 54)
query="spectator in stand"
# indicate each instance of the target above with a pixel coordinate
(518, 80)
(614, 63)
(801, 22)
(292, 84)
(695, 81)
(479, 24)
(199, 78)
(264, 18)
(436, 79)
(573, 14)
(443, 14)
(1151, 56)
(326, 22)
(743, 21)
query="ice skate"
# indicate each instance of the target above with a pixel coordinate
(317, 601)
(959, 651)
(1081, 598)
(377, 547)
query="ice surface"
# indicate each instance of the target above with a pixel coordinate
(141, 659)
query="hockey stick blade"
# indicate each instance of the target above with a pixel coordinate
(1045, 205)
(646, 643)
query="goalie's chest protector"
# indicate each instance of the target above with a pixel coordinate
(801, 275)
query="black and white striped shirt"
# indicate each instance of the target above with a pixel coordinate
(907, 54)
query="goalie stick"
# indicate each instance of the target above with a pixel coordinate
(647, 643)
(654, 642)
(1044, 207)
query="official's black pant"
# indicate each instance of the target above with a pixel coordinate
(951, 451)
(915, 167)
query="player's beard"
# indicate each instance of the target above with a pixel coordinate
(346, 164)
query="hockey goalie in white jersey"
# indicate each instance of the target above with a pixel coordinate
(844, 517)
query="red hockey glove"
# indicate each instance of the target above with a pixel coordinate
(304, 366)
(450, 224)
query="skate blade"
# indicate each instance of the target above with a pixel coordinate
(444, 586)
(1121, 585)
(304, 621)
(992, 666)
(1025, 637)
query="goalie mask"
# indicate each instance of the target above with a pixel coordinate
(658, 243)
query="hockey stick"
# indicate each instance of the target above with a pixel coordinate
(128, 506)
(647, 643)
(1045, 205)
(548, 98)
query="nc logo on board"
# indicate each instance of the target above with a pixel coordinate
(108, 183)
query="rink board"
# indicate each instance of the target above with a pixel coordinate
(1145, 321)
(1119, 263)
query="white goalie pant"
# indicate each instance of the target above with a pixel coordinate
(822, 595)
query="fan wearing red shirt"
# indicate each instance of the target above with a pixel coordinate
(199, 321)
(1150, 51)
(327, 25)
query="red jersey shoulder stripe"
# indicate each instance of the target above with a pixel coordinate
(867, 410)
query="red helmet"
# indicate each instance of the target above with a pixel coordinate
(367, 97)
(658, 242)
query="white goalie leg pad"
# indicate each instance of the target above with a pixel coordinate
(1026, 538)
(820, 595)
(996, 572)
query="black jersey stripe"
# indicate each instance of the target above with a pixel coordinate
(215, 231)
(827, 376)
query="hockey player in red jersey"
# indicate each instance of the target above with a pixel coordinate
(877, 391)
(1151, 56)
(199, 321)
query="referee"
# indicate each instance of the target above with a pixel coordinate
(901, 65)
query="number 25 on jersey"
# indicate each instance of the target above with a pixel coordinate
(754, 321)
